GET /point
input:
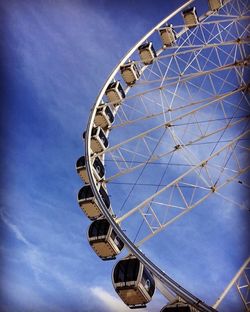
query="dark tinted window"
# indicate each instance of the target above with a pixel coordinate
(94, 131)
(143, 46)
(190, 10)
(148, 282)
(119, 243)
(121, 90)
(103, 137)
(125, 66)
(112, 85)
(98, 165)
(80, 162)
(132, 270)
(85, 192)
(126, 270)
(104, 197)
(109, 114)
(136, 70)
(119, 272)
(153, 50)
(99, 228)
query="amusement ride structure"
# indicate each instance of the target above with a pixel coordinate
(169, 131)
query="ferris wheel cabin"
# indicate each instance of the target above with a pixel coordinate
(115, 93)
(130, 73)
(104, 117)
(215, 4)
(103, 239)
(133, 282)
(99, 141)
(81, 169)
(88, 202)
(147, 53)
(190, 17)
(168, 35)
(98, 169)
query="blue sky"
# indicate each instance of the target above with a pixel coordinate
(55, 57)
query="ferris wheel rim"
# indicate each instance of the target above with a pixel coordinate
(156, 271)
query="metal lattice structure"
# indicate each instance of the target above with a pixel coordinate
(180, 127)
(241, 281)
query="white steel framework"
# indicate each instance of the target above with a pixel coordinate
(241, 281)
(181, 132)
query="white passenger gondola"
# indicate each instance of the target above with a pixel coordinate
(115, 93)
(147, 53)
(190, 17)
(88, 202)
(215, 4)
(98, 169)
(130, 73)
(99, 141)
(104, 116)
(178, 307)
(104, 240)
(168, 35)
(133, 282)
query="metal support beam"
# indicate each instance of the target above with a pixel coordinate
(235, 281)
(149, 199)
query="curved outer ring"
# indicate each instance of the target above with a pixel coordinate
(158, 274)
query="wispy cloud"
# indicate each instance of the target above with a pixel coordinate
(110, 302)
(48, 270)
(19, 235)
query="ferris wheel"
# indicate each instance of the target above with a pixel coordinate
(169, 132)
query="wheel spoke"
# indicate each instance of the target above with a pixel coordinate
(181, 130)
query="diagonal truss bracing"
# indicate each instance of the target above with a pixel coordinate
(189, 116)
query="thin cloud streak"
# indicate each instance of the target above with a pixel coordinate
(112, 303)
(18, 234)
